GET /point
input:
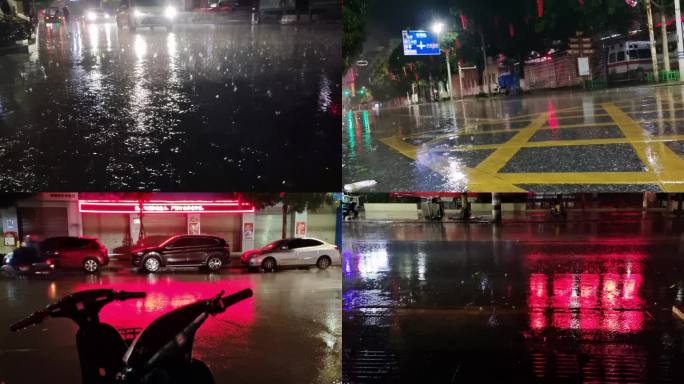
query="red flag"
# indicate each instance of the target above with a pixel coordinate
(540, 8)
(464, 22)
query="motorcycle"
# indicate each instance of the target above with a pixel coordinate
(161, 353)
(558, 211)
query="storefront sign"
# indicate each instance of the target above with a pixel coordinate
(300, 228)
(10, 225)
(248, 231)
(193, 224)
(223, 206)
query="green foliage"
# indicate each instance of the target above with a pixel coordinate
(353, 30)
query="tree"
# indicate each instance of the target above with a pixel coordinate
(291, 202)
(353, 30)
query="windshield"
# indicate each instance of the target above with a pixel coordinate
(273, 245)
(152, 241)
(52, 11)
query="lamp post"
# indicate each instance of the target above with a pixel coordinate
(437, 28)
(680, 44)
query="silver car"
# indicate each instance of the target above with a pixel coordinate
(294, 252)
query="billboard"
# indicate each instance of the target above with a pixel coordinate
(420, 43)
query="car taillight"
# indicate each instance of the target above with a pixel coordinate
(337, 248)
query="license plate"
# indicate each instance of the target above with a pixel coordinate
(24, 269)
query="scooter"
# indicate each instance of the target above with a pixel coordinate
(161, 353)
(558, 211)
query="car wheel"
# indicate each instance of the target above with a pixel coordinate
(91, 265)
(214, 264)
(151, 264)
(269, 265)
(323, 262)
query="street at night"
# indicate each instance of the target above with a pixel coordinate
(203, 107)
(620, 140)
(290, 331)
(544, 302)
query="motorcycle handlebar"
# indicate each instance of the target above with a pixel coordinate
(32, 319)
(236, 297)
(125, 295)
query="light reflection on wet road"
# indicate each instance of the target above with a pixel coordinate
(202, 108)
(289, 332)
(626, 139)
(530, 307)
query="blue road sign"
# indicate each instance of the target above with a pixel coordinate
(420, 43)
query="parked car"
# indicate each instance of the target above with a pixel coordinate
(293, 252)
(67, 252)
(146, 13)
(124, 252)
(218, 7)
(210, 252)
(53, 15)
(26, 261)
(97, 15)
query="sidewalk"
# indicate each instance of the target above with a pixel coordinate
(536, 216)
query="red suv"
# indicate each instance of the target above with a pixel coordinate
(84, 253)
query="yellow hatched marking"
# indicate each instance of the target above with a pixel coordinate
(657, 157)
(503, 154)
(580, 178)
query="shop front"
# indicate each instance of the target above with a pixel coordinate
(121, 223)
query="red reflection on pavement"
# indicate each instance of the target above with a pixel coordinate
(605, 301)
(166, 295)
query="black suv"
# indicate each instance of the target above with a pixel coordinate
(208, 252)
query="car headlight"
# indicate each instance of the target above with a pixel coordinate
(170, 12)
(137, 13)
(106, 16)
(91, 16)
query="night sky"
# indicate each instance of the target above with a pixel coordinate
(387, 18)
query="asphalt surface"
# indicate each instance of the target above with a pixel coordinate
(547, 303)
(205, 107)
(290, 331)
(618, 140)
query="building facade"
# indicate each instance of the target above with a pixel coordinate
(118, 223)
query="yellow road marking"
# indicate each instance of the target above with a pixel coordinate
(401, 146)
(580, 178)
(657, 157)
(503, 154)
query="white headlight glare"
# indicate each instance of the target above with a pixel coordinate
(91, 16)
(170, 12)
(137, 13)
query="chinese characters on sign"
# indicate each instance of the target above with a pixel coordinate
(420, 43)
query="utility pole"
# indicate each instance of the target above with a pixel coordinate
(484, 56)
(651, 36)
(663, 35)
(680, 44)
(451, 95)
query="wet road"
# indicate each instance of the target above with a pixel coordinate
(627, 139)
(206, 107)
(289, 332)
(526, 308)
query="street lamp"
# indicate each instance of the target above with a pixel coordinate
(437, 28)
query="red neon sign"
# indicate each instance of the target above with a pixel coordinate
(165, 206)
